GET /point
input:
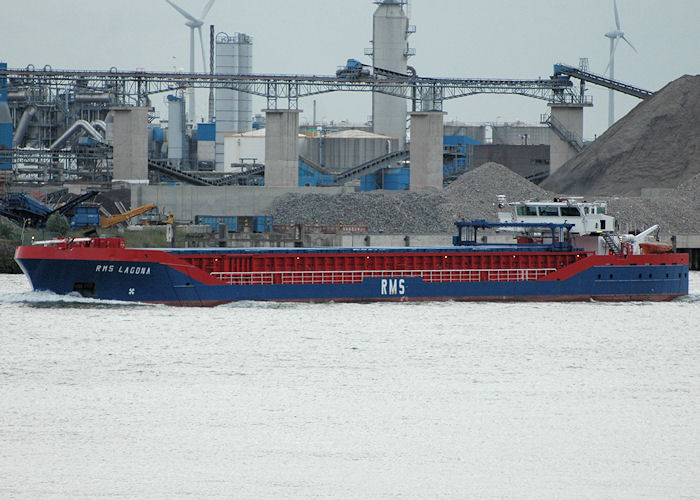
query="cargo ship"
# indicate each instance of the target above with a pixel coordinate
(535, 261)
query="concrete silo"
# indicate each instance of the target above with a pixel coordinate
(233, 109)
(176, 129)
(390, 51)
(245, 67)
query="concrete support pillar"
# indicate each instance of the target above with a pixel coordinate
(570, 117)
(282, 147)
(426, 150)
(130, 145)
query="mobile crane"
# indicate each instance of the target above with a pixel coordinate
(106, 222)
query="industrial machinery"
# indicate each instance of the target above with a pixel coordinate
(106, 222)
(352, 70)
(158, 219)
(23, 209)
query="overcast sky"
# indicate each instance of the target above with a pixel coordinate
(454, 38)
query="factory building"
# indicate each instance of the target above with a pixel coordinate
(243, 148)
(206, 146)
(80, 118)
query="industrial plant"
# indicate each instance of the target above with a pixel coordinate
(86, 130)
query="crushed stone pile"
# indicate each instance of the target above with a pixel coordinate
(473, 195)
(676, 212)
(378, 210)
(656, 145)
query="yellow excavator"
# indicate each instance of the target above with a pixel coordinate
(116, 219)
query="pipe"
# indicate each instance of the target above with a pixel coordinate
(72, 130)
(22, 125)
(100, 124)
(20, 95)
(101, 97)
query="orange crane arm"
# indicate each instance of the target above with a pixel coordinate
(116, 219)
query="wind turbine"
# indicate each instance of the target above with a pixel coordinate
(194, 23)
(614, 36)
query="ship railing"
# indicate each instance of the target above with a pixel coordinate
(335, 277)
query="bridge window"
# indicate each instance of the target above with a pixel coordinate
(526, 210)
(601, 210)
(549, 211)
(570, 212)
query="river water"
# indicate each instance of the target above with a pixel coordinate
(447, 400)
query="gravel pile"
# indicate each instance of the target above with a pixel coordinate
(473, 196)
(675, 213)
(400, 212)
(656, 145)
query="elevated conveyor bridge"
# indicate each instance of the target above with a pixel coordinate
(371, 166)
(563, 69)
(136, 87)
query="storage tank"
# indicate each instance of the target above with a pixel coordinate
(389, 179)
(390, 51)
(396, 179)
(234, 110)
(520, 134)
(245, 67)
(176, 129)
(338, 151)
(471, 130)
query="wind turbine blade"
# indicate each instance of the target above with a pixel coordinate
(617, 40)
(607, 67)
(201, 44)
(182, 11)
(629, 43)
(205, 10)
(617, 15)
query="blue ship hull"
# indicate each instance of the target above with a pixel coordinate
(154, 282)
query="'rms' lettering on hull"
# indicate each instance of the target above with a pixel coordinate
(393, 287)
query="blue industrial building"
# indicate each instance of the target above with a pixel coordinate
(310, 177)
(206, 131)
(5, 125)
(391, 179)
(460, 161)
